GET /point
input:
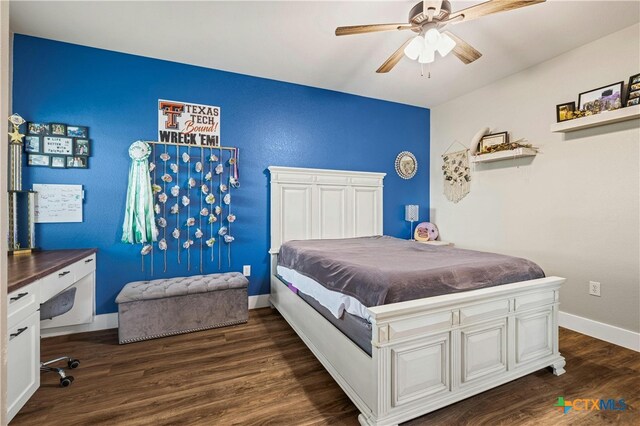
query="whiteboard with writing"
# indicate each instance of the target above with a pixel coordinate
(58, 203)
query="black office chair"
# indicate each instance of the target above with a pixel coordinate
(56, 306)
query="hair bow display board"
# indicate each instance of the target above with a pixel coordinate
(191, 191)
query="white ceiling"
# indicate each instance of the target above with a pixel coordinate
(295, 41)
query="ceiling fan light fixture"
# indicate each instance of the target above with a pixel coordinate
(432, 38)
(414, 48)
(427, 55)
(445, 45)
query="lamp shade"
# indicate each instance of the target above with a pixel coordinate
(414, 48)
(427, 55)
(445, 45)
(432, 38)
(411, 212)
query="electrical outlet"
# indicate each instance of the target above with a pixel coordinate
(594, 288)
(246, 271)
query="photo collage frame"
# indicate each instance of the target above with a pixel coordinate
(57, 145)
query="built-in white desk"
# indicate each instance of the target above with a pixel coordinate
(33, 279)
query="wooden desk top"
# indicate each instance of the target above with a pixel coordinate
(27, 268)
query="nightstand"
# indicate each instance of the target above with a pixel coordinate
(437, 243)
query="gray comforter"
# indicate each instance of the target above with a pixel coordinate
(380, 270)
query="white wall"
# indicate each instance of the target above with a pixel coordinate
(574, 208)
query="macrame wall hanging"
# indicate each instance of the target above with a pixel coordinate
(457, 174)
(191, 201)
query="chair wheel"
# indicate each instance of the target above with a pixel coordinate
(73, 363)
(64, 382)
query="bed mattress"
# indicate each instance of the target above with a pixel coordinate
(357, 329)
(381, 270)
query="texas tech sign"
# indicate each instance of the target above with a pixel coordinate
(188, 124)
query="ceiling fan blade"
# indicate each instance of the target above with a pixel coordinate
(362, 29)
(488, 8)
(431, 4)
(463, 50)
(393, 60)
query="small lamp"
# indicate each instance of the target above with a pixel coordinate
(411, 215)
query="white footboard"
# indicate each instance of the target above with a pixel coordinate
(429, 353)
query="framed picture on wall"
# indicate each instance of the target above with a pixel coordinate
(37, 129)
(81, 147)
(58, 129)
(77, 162)
(77, 132)
(32, 144)
(38, 160)
(58, 162)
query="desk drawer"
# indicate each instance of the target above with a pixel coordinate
(84, 267)
(54, 283)
(22, 303)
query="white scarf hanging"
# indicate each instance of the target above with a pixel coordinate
(457, 174)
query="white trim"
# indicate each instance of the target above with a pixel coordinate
(609, 333)
(106, 321)
(259, 301)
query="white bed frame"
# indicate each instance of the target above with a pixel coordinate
(426, 353)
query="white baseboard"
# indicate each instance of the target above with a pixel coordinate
(609, 333)
(106, 321)
(259, 301)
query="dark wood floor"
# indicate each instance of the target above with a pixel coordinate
(262, 373)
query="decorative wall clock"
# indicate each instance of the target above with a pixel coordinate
(406, 165)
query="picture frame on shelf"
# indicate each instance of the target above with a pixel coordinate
(32, 144)
(58, 129)
(82, 147)
(38, 160)
(605, 98)
(633, 90)
(77, 162)
(493, 139)
(57, 145)
(565, 111)
(58, 162)
(77, 132)
(37, 129)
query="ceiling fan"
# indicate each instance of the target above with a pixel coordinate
(428, 18)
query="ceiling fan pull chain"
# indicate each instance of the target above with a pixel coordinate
(421, 70)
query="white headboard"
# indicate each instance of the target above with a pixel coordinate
(318, 203)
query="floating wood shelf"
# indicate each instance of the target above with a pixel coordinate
(607, 117)
(504, 155)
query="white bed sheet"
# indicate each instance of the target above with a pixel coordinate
(336, 302)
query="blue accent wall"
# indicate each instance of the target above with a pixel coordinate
(272, 122)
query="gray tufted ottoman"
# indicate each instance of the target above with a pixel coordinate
(158, 308)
